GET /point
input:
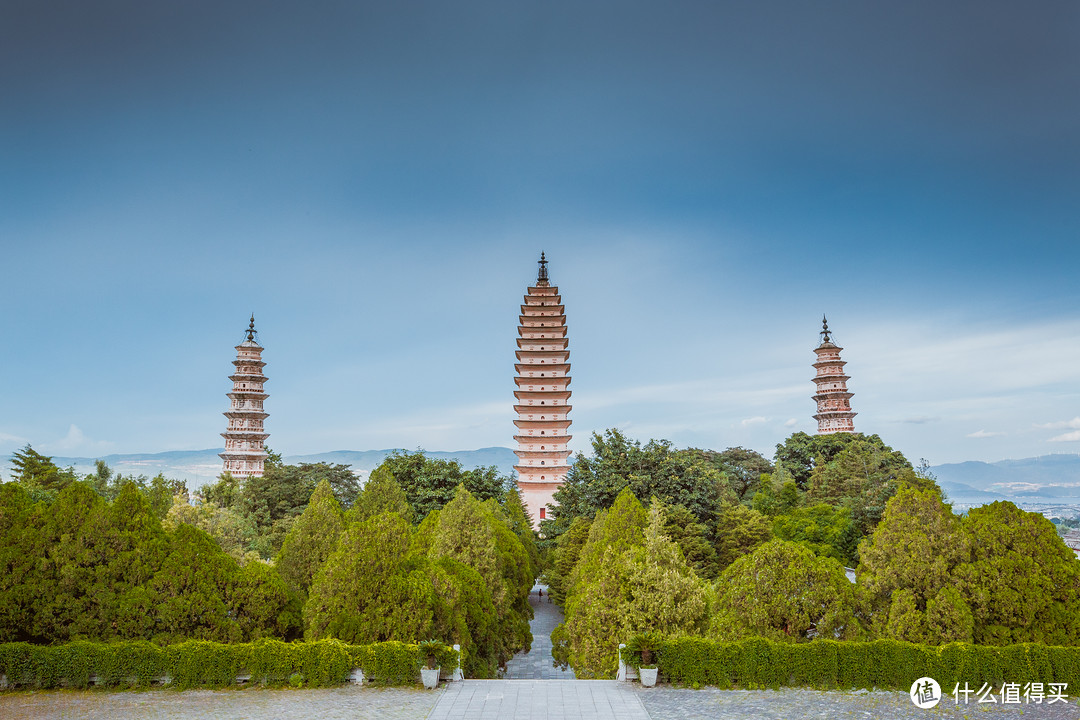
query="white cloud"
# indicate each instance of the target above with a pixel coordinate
(791, 423)
(1073, 436)
(75, 441)
(6, 439)
(1073, 424)
(756, 420)
(984, 434)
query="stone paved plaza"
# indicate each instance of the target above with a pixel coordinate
(498, 699)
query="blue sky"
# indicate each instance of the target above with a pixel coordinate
(376, 181)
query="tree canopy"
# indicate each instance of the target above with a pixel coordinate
(82, 567)
(430, 483)
(782, 591)
(629, 578)
(311, 538)
(657, 469)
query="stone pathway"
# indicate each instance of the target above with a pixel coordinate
(539, 700)
(537, 663)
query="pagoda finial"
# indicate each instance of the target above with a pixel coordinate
(251, 329)
(824, 330)
(542, 276)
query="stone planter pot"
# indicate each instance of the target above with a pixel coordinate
(430, 676)
(648, 676)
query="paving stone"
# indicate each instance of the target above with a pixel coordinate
(539, 700)
(667, 703)
(344, 703)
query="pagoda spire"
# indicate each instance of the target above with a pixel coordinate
(833, 400)
(245, 438)
(543, 395)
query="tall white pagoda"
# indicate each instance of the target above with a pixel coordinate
(832, 397)
(244, 436)
(543, 395)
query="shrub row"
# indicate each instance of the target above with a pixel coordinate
(209, 664)
(884, 664)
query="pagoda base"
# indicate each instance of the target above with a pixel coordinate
(537, 496)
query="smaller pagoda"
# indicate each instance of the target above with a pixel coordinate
(833, 399)
(244, 436)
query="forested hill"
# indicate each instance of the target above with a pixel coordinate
(1048, 476)
(199, 467)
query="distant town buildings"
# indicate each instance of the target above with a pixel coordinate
(833, 399)
(244, 436)
(543, 394)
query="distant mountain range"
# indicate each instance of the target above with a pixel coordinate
(1050, 479)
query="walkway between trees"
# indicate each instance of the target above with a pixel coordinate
(537, 663)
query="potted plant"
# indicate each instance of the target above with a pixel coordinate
(643, 649)
(429, 668)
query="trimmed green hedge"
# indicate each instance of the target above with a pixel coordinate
(208, 664)
(884, 664)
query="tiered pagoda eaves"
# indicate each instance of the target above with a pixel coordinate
(244, 437)
(833, 399)
(543, 395)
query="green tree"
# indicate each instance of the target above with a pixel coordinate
(162, 492)
(381, 494)
(101, 479)
(311, 539)
(233, 532)
(67, 553)
(827, 530)
(657, 469)
(630, 578)
(743, 469)
(565, 557)
(518, 520)
(371, 589)
(738, 531)
(128, 548)
(476, 535)
(429, 483)
(1020, 579)
(666, 596)
(693, 540)
(781, 591)
(262, 604)
(86, 568)
(908, 563)
(191, 591)
(862, 476)
(800, 454)
(225, 493)
(31, 468)
(21, 554)
(596, 606)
